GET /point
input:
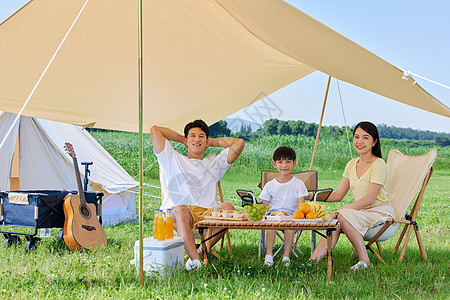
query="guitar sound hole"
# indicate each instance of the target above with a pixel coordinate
(85, 212)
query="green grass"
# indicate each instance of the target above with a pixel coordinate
(53, 271)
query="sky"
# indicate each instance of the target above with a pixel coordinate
(412, 35)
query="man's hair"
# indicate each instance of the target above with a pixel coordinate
(196, 124)
(284, 153)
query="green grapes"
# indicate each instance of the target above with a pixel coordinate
(256, 212)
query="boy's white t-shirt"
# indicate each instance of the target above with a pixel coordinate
(284, 196)
(191, 181)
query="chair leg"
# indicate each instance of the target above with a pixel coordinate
(376, 254)
(408, 235)
(282, 246)
(379, 248)
(419, 241)
(400, 239)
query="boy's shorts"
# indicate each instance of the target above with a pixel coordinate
(197, 211)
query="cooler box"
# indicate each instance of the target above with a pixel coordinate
(160, 257)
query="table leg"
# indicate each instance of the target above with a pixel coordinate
(329, 252)
(204, 250)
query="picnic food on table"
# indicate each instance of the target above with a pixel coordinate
(256, 212)
(311, 210)
(280, 213)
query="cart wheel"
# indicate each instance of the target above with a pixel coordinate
(60, 236)
(32, 244)
(12, 240)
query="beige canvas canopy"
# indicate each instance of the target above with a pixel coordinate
(202, 59)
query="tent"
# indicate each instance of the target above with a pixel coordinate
(33, 158)
(201, 59)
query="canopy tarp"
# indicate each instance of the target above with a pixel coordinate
(202, 59)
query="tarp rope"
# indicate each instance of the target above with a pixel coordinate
(345, 121)
(42, 76)
(408, 74)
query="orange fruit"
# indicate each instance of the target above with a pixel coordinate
(311, 215)
(298, 214)
(305, 208)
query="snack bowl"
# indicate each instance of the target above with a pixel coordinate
(216, 213)
(227, 213)
(238, 214)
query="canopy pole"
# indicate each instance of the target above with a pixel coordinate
(141, 153)
(320, 123)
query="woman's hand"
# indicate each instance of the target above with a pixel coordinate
(334, 214)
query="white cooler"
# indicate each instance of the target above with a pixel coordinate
(160, 257)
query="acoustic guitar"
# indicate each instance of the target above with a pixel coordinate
(81, 226)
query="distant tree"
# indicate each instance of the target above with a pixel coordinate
(271, 126)
(284, 128)
(442, 140)
(219, 129)
(310, 129)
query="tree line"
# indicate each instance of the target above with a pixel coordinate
(280, 127)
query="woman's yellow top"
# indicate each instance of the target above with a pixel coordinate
(376, 173)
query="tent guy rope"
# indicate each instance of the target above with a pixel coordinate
(408, 74)
(345, 121)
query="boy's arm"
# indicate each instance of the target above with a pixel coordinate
(161, 134)
(236, 146)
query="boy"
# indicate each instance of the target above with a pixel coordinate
(283, 193)
(192, 180)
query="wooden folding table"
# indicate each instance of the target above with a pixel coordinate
(327, 225)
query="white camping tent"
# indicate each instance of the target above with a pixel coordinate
(33, 158)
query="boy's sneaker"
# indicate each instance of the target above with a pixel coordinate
(268, 261)
(286, 261)
(359, 266)
(193, 264)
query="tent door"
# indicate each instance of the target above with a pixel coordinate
(14, 186)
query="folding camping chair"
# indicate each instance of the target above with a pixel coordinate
(310, 180)
(164, 186)
(405, 175)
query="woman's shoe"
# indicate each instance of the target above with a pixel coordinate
(359, 266)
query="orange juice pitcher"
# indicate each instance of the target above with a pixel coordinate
(161, 226)
(169, 224)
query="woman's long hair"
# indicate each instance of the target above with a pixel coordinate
(373, 131)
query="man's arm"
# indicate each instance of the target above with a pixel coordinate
(236, 146)
(161, 134)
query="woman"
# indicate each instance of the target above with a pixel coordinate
(366, 178)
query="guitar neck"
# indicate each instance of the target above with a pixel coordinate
(80, 186)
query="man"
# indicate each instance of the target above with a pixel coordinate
(192, 180)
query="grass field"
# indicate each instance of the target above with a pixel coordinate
(53, 271)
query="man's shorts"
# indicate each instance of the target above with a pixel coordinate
(198, 211)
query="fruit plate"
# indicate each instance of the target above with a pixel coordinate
(278, 218)
(310, 220)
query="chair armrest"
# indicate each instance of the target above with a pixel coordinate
(322, 194)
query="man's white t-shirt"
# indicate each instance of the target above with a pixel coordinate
(191, 181)
(284, 196)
